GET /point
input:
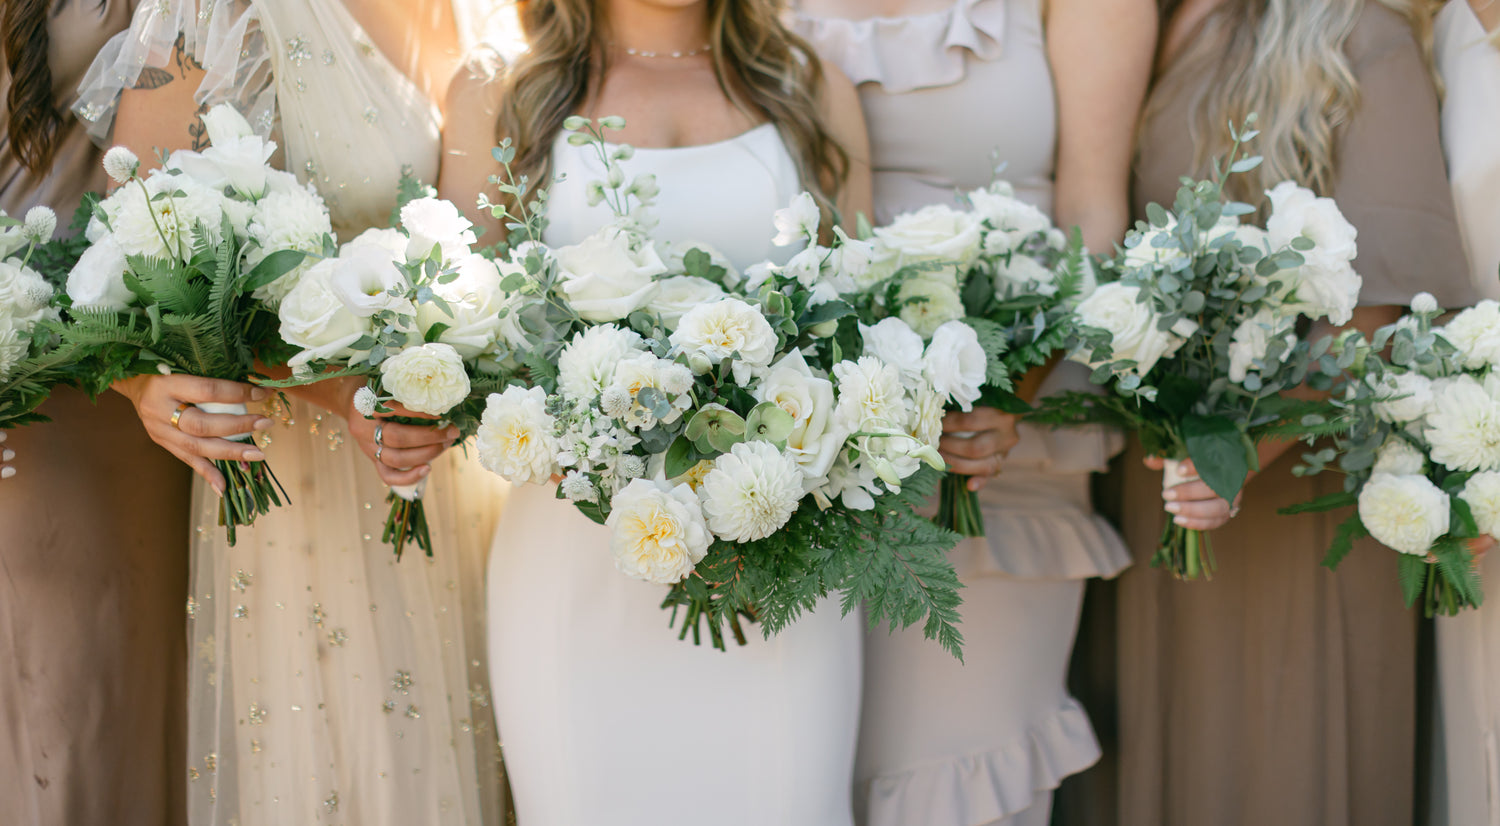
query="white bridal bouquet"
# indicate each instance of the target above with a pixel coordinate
(1422, 459)
(183, 268)
(30, 361)
(1196, 335)
(738, 451)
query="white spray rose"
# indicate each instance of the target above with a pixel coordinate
(429, 378)
(475, 299)
(710, 333)
(797, 221)
(956, 364)
(605, 278)
(751, 492)
(97, 281)
(431, 222)
(1475, 332)
(928, 303)
(1464, 425)
(315, 319)
(1252, 340)
(1482, 494)
(657, 531)
(587, 364)
(680, 294)
(815, 441)
(1132, 326)
(894, 342)
(1399, 458)
(1326, 284)
(517, 436)
(1404, 513)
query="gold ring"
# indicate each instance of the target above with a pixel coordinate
(177, 416)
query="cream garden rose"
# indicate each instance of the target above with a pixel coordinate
(710, 333)
(429, 378)
(815, 441)
(657, 531)
(516, 436)
(934, 233)
(1404, 513)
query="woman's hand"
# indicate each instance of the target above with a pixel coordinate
(1193, 504)
(402, 453)
(166, 407)
(975, 443)
(6, 457)
(1479, 547)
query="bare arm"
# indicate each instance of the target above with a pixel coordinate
(473, 104)
(160, 114)
(1100, 52)
(845, 120)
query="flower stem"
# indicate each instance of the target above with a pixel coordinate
(958, 507)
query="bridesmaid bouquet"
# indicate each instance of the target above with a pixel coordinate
(1196, 335)
(1422, 458)
(31, 363)
(419, 315)
(998, 265)
(182, 268)
(739, 439)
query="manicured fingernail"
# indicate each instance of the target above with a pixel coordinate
(975, 484)
(426, 469)
(218, 487)
(262, 424)
(1181, 520)
(7, 472)
(3, 436)
(1170, 494)
(259, 394)
(7, 454)
(253, 455)
(453, 433)
(1173, 507)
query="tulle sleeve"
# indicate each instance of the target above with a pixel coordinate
(223, 36)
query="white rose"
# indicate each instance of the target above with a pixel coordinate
(1399, 458)
(956, 364)
(1326, 284)
(605, 278)
(315, 319)
(1252, 339)
(517, 436)
(429, 378)
(97, 281)
(870, 395)
(894, 342)
(1146, 253)
(290, 220)
(1404, 513)
(1404, 397)
(797, 221)
(1132, 326)
(657, 531)
(587, 364)
(680, 294)
(24, 294)
(751, 492)
(1482, 494)
(1475, 333)
(725, 328)
(928, 303)
(366, 279)
(1011, 220)
(475, 299)
(430, 222)
(1464, 425)
(934, 233)
(1025, 273)
(815, 442)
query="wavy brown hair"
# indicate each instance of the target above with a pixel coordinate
(1285, 61)
(34, 119)
(762, 67)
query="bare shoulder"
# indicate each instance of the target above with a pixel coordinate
(475, 88)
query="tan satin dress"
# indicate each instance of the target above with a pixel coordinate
(1281, 692)
(93, 558)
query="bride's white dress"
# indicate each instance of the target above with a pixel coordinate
(329, 684)
(606, 717)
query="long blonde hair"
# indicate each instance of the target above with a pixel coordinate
(761, 66)
(1285, 61)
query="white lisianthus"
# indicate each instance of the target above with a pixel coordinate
(1025, 272)
(1399, 457)
(429, 378)
(144, 224)
(956, 364)
(710, 333)
(587, 364)
(1482, 494)
(1404, 513)
(1475, 333)
(1011, 220)
(1132, 326)
(605, 277)
(870, 395)
(894, 342)
(365, 401)
(806, 267)
(97, 281)
(815, 442)
(1404, 397)
(475, 299)
(934, 233)
(315, 319)
(657, 531)
(797, 221)
(928, 303)
(291, 220)
(366, 279)
(431, 222)
(751, 492)
(120, 164)
(681, 293)
(1252, 340)
(517, 436)
(1464, 426)
(1326, 283)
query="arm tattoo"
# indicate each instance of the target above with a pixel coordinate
(197, 131)
(153, 77)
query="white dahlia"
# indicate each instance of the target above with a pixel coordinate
(587, 365)
(1464, 426)
(751, 492)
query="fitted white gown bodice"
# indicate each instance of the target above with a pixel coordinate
(606, 717)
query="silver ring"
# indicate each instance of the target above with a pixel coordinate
(379, 434)
(379, 449)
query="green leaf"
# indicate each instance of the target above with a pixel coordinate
(1412, 571)
(434, 332)
(1218, 452)
(1344, 537)
(681, 457)
(1327, 502)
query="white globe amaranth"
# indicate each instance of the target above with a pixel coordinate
(587, 364)
(751, 492)
(120, 164)
(429, 378)
(1463, 428)
(955, 364)
(657, 531)
(40, 223)
(517, 436)
(1425, 304)
(365, 401)
(1404, 513)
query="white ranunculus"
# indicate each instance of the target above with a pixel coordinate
(934, 233)
(657, 531)
(1482, 494)
(870, 395)
(1475, 333)
(605, 278)
(1132, 326)
(290, 220)
(432, 222)
(1464, 425)
(928, 303)
(97, 281)
(725, 328)
(517, 436)
(815, 441)
(751, 492)
(367, 281)
(1252, 339)
(475, 299)
(894, 342)
(1026, 273)
(429, 378)
(1399, 457)
(1404, 513)
(956, 364)
(1404, 397)
(1326, 284)
(680, 294)
(587, 364)
(315, 319)
(797, 222)
(163, 227)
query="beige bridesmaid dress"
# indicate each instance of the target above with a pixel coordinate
(93, 554)
(1466, 779)
(945, 95)
(1281, 692)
